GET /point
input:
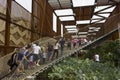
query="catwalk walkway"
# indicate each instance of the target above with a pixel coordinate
(31, 73)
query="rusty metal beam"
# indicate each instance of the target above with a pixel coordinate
(32, 20)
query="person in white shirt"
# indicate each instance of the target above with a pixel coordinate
(56, 47)
(36, 51)
(97, 57)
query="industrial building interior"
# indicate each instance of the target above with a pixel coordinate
(46, 21)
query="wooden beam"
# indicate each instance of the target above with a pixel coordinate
(7, 27)
(32, 21)
(43, 17)
(92, 13)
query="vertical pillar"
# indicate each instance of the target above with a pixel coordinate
(43, 18)
(58, 27)
(32, 22)
(7, 27)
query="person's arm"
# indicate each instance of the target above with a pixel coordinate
(24, 57)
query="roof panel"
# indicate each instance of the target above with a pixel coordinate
(78, 3)
(103, 21)
(67, 18)
(105, 15)
(95, 21)
(71, 29)
(83, 22)
(70, 26)
(64, 12)
(109, 9)
(96, 17)
(98, 8)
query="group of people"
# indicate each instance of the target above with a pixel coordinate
(34, 54)
(24, 58)
(80, 42)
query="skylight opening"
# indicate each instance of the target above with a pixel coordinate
(74, 36)
(78, 3)
(54, 22)
(82, 35)
(103, 21)
(92, 27)
(61, 30)
(109, 9)
(95, 17)
(96, 30)
(82, 32)
(105, 15)
(71, 26)
(71, 29)
(93, 33)
(27, 4)
(94, 21)
(100, 8)
(68, 18)
(64, 12)
(83, 22)
(90, 30)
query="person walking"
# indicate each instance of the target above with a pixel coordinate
(56, 47)
(50, 50)
(62, 45)
(36, 51)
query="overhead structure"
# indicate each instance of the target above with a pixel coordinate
(82, 13)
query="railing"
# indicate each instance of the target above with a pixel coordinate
(3, 60)
(71, 52)
(67, 54)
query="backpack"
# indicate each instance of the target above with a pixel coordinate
(10, 62)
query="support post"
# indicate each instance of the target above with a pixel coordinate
(7, 27)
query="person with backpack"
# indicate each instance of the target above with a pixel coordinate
(12, 62)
